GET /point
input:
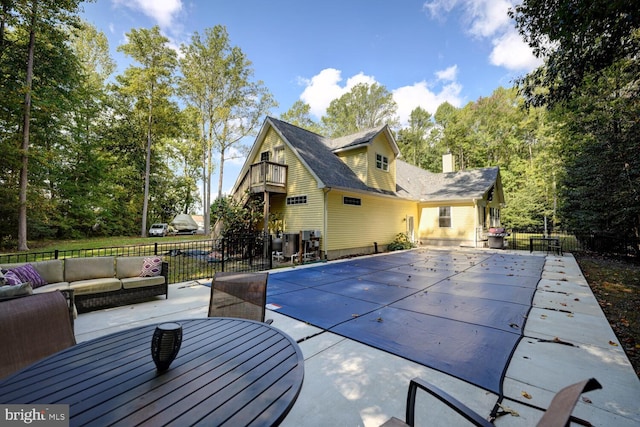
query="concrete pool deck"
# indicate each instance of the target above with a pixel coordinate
(566, 339)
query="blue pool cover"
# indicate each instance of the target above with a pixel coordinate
(461, 313)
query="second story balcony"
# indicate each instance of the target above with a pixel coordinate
(264, 176)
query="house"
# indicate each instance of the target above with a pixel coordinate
(353, 195)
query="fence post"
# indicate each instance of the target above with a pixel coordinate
(222, 254)
(269, 241)
(55, 254)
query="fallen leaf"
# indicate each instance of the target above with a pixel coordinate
(525, 395)
(569, 315)
(508, 410)
(543, 316)
(585, 399)
(613, 344)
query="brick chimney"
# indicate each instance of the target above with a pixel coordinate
(447, 163)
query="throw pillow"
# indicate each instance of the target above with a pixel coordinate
(27, 273)
(151, 267)
(12, 278)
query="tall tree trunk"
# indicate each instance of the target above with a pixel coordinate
(205, 212)
(3, 24)
(209, 171)
(147, 168)
(221, 174)
(24, 177)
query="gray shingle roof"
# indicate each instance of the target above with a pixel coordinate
(353, 140)
(461, 185)
(314, 151)
(412, 182)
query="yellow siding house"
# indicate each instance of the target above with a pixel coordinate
(353, 195)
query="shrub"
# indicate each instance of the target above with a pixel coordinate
(400, 242)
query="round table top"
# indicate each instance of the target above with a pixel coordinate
(228, 371)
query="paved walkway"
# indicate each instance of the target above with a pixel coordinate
(566, 339)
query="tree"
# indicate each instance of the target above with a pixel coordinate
(80, 179)
(601, 182)
(218, 81)
(575, 39)
(363, 107)
(151, 85)
(413, 140)
(26, 28)
(299, 115)
(187, 151)
(590, 80)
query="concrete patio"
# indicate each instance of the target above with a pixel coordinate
(566, 339)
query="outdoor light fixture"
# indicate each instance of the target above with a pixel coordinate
(165, 344)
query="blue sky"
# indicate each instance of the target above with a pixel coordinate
(424, 52)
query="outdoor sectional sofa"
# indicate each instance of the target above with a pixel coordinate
(104, 281)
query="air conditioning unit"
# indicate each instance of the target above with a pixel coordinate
(310, 234)
(290, 244)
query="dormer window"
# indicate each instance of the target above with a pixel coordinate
(382, 162)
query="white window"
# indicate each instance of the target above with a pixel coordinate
(494, 217)
(297, 200)
(444, 219)
(382, 162)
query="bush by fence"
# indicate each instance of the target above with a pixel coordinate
(192, 260)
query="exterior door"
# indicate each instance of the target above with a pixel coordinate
(410, 228)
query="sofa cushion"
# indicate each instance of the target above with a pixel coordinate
(76, 269)
(27, 273)
(60, 286)
(151, 267)
(52, 271)
(92, 286)
(140, 282)
(129, 266)
(16, 290)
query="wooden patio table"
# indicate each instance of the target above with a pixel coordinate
(228, 372)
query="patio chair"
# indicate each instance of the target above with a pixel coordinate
(555, 246)
(34, 327)
(241, 295)
(558, 413)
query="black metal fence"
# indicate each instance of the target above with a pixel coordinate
(602, 243)
(198, 259)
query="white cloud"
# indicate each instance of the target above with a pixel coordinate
(488, 19)
(162, 11)
(483, 18)
(324, 87)
(448, 74)
(421, 95)
(511, 52)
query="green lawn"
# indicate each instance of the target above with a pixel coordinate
(105, 242)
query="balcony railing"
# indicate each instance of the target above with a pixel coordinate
(264, 176)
